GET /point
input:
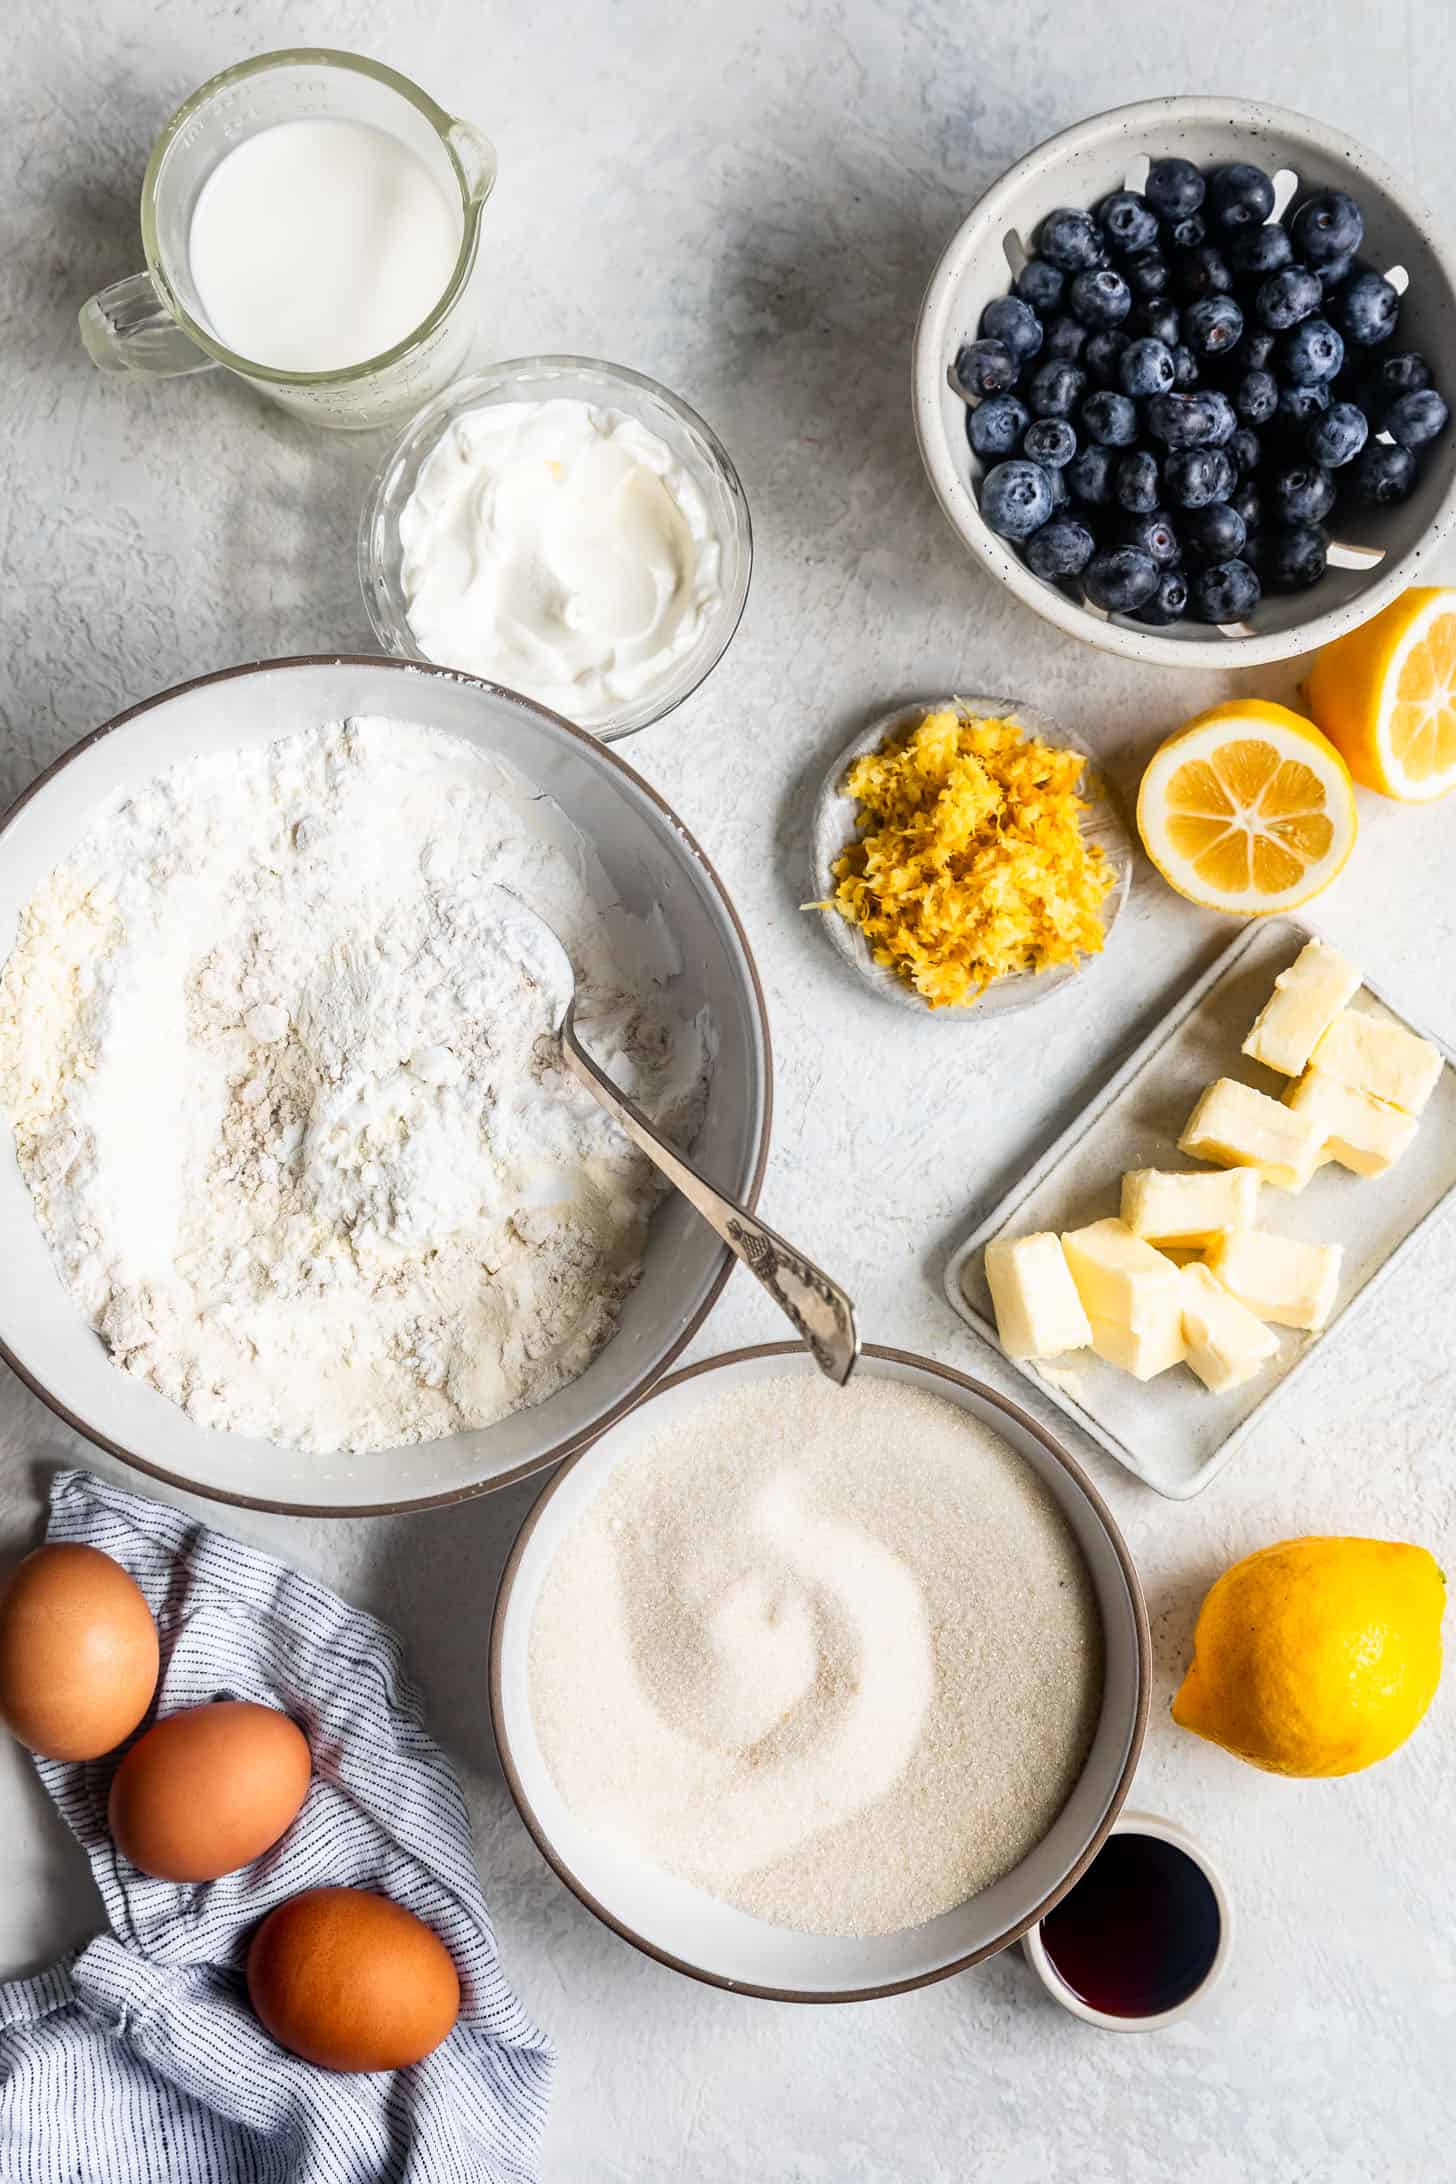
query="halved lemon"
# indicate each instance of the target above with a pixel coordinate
(1386, 696)
(1247, 809)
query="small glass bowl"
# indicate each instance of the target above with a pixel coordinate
(834, 828)
(542, 378)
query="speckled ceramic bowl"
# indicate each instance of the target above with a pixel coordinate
(833, 829)
(690, 1931)
(1377, 554)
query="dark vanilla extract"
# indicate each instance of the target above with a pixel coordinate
(1139, 1932)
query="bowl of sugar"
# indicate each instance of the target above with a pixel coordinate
(803, 1722)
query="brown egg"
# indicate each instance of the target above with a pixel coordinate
(208, 1790)
(78, 1653)
(351, 1981)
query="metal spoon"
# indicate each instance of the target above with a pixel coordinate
(818, 1308)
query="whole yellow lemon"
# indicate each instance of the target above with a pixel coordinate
(1316, 1656)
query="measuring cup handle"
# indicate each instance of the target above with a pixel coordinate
(128, 327)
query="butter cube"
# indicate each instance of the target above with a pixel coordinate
(1038, 1311)
(1147, 1353)
(1226, 1344)
(1305, 1002)
(1188, 1210)
(1120, 1278)
(1371, 1054)
(1362, 1133)
(1278, 1277)
(1241, 1128)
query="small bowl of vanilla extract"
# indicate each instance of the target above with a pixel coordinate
(1142, 1936)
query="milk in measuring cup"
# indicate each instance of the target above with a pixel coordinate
(317, 244)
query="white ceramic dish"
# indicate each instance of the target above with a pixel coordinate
(690, 1931)
(650, 860)
(1170, 1431)
(538, 379)
(833, 828)
(1162, 1831)
(1384, 551)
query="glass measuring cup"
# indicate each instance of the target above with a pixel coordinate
(152, 324)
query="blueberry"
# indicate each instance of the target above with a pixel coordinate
(1051, 441)
(1090, 476)
(1336, 271)
(1287, 297)
(1148, 274)
(1212, 325)
(1185, 367)
(1060, 548)
(1295, 557)
(1016, 498)
(1260, 250)
(1013, 323)
(1256, 548)
(1245, 450)
(1403, 373)
(1128, 221)
(1157, 318)
(1111, 419)
(1193, 478)
(1336, 437)
(995, 427)
(1181, 420)
(1413, 419)
(1226, 591)
(1326, 226)
(1152, 534)
(1256, 397)
(1225, 421)
(1225, 473)
(1055, 389)
(1240, 196)
(1040, 284)
(1189, 232)
(1300, 405)
(1314, 351)
(1247, 501)
(1120, 580)
(1099, 298)
(1366, 309)
(1304, 493)
(1139, 482)
(1214, 531)
(1202, 272)
(1070, 240)
(984, 367)
(1254, 351)
(1386, 474)
(1101, 355)
(1146, 367)
(1174, 188)
(1169, 603)
(1057, 484)
(1066, 338)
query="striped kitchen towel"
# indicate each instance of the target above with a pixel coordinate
(138, 2061)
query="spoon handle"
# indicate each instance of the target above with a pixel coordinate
(819, 1309)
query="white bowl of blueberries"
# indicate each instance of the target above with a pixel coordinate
(1178, 382)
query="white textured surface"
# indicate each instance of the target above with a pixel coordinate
(745, 201)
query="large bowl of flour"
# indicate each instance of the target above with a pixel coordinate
(820, 1694)
(300, 1210)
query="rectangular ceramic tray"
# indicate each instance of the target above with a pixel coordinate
(1170, 1431)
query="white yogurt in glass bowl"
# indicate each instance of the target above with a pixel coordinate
(566, 528)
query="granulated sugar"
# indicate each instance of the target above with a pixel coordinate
(832, 1655)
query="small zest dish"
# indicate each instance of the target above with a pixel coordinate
(692, 1932)
(652, 863)
(609, 386)
(1376, 556)
(834, 826)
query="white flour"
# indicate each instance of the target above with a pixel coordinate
(285, 1099)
